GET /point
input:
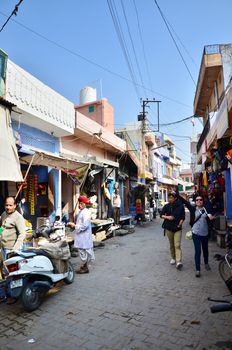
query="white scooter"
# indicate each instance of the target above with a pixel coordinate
(32, 273)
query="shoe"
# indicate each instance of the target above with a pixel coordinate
(198, 274)
(179, 265)
(207, 267)
(172, 261)
(81, 271)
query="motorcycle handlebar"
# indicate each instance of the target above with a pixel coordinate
(221, 307)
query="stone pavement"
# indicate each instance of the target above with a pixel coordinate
(132, 299)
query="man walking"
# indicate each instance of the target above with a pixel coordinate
(173, 214)
(107, 197)
(83, 235)
(116, 203)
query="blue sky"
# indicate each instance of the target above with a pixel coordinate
(81, 38)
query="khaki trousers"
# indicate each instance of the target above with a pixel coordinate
(175, 242)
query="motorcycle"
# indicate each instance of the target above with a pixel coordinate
(29, 274)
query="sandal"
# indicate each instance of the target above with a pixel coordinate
(82, 270)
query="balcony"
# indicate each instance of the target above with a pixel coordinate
(219, 124)
(97, 136)
(211, 65)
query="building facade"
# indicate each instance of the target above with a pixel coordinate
(213, 104)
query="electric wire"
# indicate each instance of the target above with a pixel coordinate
(133, 47)
(13, 13)
(184, 136)
(119, 32)
(143, 46)
(182, 44)
(176, 122)
(92, 62)
(175, 43)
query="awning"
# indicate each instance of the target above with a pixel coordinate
(135, 184)
(168, 181)
(9, 161)
(108, 162)
(63, 163)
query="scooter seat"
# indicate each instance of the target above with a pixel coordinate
(28, 253)
(33, 252)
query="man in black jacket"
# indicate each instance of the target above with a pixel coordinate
(173, 214)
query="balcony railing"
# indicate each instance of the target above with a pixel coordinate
(211, 49)
(203, 135)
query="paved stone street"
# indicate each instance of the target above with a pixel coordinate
(132, 299)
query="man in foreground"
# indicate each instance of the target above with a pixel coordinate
(14, 229)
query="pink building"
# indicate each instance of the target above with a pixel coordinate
(93, 141)
(99, 111)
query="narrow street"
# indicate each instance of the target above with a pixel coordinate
(132, 299)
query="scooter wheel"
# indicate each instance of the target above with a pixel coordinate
(70, 278)
(30, 298)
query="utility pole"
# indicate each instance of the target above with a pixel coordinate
(142, 118)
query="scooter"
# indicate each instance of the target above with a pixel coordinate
(30, 274)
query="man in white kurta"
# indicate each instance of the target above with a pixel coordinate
(83, 235)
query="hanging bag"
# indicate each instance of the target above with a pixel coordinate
(189, 234)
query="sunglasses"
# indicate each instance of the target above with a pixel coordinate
(199, 199)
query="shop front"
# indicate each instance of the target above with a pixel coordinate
(40, 193)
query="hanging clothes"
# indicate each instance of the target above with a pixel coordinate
(205, 177)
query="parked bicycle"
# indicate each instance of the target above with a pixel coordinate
(225, 265)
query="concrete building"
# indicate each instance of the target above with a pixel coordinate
(40, 116)
(213, 103)
(94, 141)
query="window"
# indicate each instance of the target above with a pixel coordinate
(91, 109)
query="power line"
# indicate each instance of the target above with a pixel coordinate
(132, 44)
(143, 47)
(184, 136)
(186, 154)
(176, 122)
(92, 62)
(13, 13)
(181, 43)
(162, 15)
(119, 32)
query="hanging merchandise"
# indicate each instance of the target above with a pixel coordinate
(24, 189)
(32, 193)
(35, 187)
(212, 177)
(205, 177)
(220, 162)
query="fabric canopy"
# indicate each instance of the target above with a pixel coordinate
(68, 165)
(9, 161)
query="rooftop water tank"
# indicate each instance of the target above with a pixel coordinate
(87, 95)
